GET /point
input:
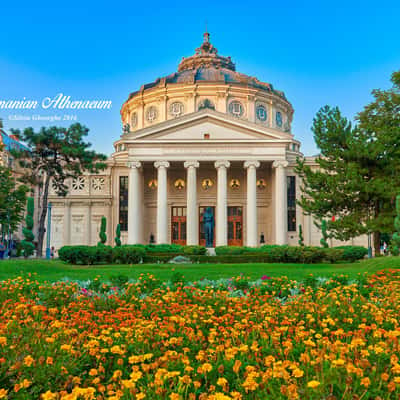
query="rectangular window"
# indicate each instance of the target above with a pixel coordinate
(291, 203)
(123, 202)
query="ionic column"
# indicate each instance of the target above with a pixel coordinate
(135, 206)
(192, 218)
(89, 223)
(251, 223)
(222, 212)
(280, 202)
(67, 223)
(162, 201)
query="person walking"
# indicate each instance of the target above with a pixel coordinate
(2, 250)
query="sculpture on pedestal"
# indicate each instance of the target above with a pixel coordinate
(208, 223)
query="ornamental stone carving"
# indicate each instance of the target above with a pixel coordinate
(251, 164)
(222, 164)
(134, 164)
(161, 164)
(78, 183)
(191, 164)
(280, 164)
(98, 183)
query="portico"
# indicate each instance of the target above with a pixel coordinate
(232, 189)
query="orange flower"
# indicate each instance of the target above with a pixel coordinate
(365, 382)
(28, 361)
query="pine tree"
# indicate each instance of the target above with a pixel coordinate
(395, 245)
(118, 236)
(27, 244)
(301, 238)
(357, 174)
(55, 155)
(324, 241)
(102, 233)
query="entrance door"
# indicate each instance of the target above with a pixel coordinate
(202, 235)
(235, 226)
(178, 226)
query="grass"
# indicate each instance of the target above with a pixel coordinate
(53, 270)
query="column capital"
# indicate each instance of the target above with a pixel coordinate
(251, 163)
(222, 164)
(161, 164)
(134, 164)
(190, 164)
(280, 164)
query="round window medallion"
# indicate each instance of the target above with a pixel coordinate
(236, 108)
(179, 184)
(152, 184)
(235, 184)
(176, 109)
(151, 114)
(261, 113)
(207, 183)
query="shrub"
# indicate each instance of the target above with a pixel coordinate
(27, 244)
(194, 250)
(87, 255)
(164, 248)
(353, 253)
(128, 254)
(102, 233)
(333, 255)
(232, 250)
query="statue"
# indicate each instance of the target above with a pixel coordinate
(208, 224)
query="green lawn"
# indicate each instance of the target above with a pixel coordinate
(54, 269)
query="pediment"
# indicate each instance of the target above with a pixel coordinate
(211, 126)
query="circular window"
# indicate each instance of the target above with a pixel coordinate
(133, 120)
(261, 113)
(176, 109)
(278, 119)
(236, 108)
(151, 114)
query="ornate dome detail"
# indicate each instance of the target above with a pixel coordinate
(206, 56)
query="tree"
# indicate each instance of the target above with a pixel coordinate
(56, 154)
(12, 200)
(395, 245)
(301, 238)
(324, 239)
(358, 169)
(118, 235)
(102, 233)
(27, 244)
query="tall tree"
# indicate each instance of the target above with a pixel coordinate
(12, 200)
(56, 154)
(358, 169)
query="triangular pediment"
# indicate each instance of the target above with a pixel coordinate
(208, 125)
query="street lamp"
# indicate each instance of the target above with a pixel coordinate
(48, 251)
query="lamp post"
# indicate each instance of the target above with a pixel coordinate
(48, 251)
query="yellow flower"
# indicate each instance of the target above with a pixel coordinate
(26, 383)
(206, 367)
(28, 361)
(3, 393)
(93, 372)
(222, 381)
(365, 382)
(49, 395)
(313, 384)
(3, 340)
(174, 396)
(140, 396)
(298, 373)
(135, 376)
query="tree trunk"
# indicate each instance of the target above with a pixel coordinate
(377, 243)
(42, 219)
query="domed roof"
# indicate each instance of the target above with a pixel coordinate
(207, 66)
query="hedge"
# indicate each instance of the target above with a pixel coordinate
(135, 254)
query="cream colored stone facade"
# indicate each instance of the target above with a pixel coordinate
(205, 136)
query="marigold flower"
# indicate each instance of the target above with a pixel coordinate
(28, 361)
(3, 340)
(313, 384)
(48, 396)
(3, 393)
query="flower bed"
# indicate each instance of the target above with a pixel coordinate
(225, 339)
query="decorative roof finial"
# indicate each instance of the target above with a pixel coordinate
(206, 35)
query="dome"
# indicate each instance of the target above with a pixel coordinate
(206, 65)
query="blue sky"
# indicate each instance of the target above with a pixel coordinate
(317, 52)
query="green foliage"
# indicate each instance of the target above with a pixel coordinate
(128, 254)
(353, 253)
(324, 241)
(357, 174)
(12, 200)
(118, 235)
(194, 250)
(56, 154)
(86, 255)
(234, 250)
(301, 238)
(164, 248)
(102, 233)
(395, 244)
(27, 244)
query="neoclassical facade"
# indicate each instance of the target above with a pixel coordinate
(204, 136)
